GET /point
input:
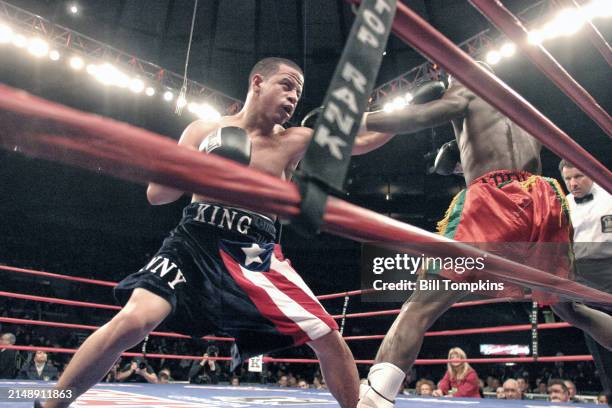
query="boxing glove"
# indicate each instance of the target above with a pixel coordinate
(427, 92)
(230, 142)
(447, 158)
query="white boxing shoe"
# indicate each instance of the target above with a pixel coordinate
(369, 398)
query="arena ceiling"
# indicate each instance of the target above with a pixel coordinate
(230, 35)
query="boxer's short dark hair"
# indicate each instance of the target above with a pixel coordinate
(269, 66)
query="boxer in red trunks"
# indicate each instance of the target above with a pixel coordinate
(505, 202)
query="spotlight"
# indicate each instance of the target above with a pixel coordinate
(168, 96)
(207, 112)
(493, 57)
(508, 49)
(181, 102)
(38, 47)
(388, 107)
(20, 41)
(54, 55)
(77, 63)
(73, 9)
(150, 91)
(408, 97)
(535, 37)
(6, 34)
(136, 85)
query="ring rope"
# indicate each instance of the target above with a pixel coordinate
(475, 330)
(63, 134)
(549, 359)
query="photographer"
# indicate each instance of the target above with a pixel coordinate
(137, 371)
(205, 371)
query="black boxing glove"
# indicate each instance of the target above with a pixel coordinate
(311, 117)
(427, 92)
(447, 159)
(230, 142)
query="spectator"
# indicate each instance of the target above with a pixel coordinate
(499, 393)
(205, 371)
(291, 380)
(283, 381)
(541, 388)
(8, 357)
(571, 388)
(511, 390)
(39, 369)
(523, 385)
(164, 376)
(235, 382)
(602, 399)
(111, 376)
(557, 391)
(460, 379)
(424, 387)
(138, 371)
(303, 384)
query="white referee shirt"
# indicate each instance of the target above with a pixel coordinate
(592, 222)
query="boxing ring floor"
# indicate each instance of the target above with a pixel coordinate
(134, 395)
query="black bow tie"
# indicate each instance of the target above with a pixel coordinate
(584, 199)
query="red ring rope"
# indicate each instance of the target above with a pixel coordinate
(314, 361)
(63, 134)
(476, 330)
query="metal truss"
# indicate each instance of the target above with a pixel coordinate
(474, 46)
(62, 37)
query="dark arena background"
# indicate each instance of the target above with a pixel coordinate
(74, 222)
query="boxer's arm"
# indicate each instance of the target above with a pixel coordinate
(191, 138)
(413, 118)
(366, 140)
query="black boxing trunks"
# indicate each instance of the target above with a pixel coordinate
(223, 274)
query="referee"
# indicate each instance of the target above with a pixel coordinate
(591, 214)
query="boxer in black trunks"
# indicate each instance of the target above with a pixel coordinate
(219, 271)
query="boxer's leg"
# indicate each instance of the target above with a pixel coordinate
(338, 368)
(143, 312)
(402, 344)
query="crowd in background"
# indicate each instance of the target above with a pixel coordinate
(557, 381)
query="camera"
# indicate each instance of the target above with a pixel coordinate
(142, 364)
(212, 351)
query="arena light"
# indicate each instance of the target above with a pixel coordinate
(493, 57)
(388, 107)
(73, 8)
(508, 49)
(408, 97)
(136, 85)
(168, 96)
(108, 74)
(150, 91)
(597, 8)
(77, 63)
(398, 103)
(207, 112)
(54, 55)
(20, 41)
(6, 34)
(38, 47)
(181, 102)
(535, 37)
(567, 22)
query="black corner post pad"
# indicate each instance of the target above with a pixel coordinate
(326, 161)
